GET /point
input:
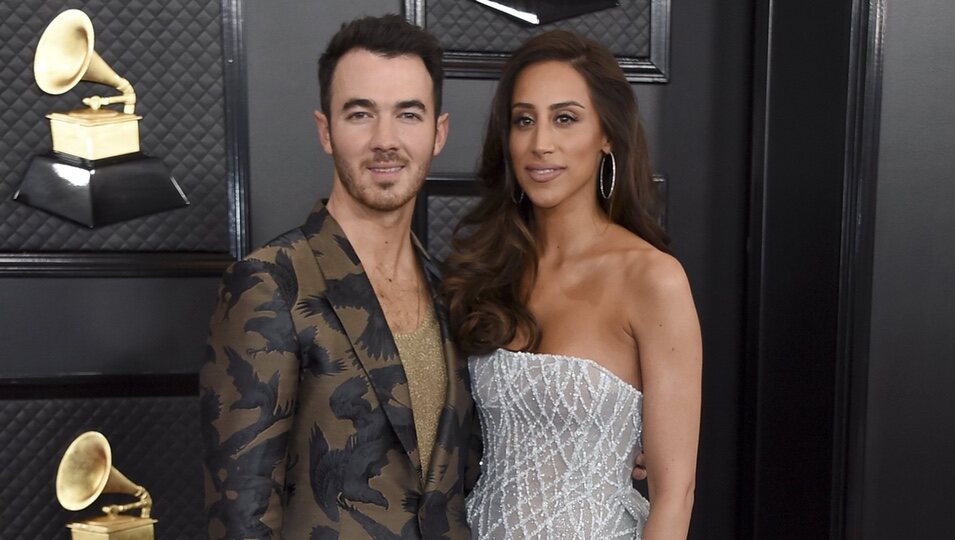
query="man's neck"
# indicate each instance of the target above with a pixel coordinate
(381, 239)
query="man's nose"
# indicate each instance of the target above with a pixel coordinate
(385, 135)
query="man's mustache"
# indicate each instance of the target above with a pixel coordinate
(389, 156)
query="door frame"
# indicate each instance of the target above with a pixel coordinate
(816, 102)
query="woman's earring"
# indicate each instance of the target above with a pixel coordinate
(604, 192)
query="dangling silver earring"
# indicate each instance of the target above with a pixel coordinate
(607, 193)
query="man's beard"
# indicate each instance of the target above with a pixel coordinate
(382, 198)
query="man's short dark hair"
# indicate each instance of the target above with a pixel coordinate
(389, 36)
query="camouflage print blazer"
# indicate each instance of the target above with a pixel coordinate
(306, 414)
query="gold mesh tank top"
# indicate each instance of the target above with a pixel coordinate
(422, 356)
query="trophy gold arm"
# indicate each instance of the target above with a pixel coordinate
(128, 101)
(99, 71)
(144, 504)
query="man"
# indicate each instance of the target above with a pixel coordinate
(327, 338)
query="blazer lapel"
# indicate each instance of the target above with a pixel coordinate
(458, 396)
(353, 299)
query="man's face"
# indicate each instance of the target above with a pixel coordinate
(381, 130)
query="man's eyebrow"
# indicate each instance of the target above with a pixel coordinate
(412, 104)
(358, 102)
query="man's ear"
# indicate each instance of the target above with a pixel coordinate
(441, 134)
(324, 132)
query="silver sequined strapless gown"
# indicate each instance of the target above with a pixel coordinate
(560, 437)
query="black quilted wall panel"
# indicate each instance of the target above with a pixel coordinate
(469, 26)
(444, 213)
(172, 54)
(154, 440)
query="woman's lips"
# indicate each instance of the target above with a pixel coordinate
(543, 173)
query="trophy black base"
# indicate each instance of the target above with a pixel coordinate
(99, 192)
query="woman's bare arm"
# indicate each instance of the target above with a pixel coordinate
(667, 331)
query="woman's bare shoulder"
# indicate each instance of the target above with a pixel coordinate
(644, 267)
(654, 292)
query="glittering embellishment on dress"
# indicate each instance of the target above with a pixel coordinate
(560, 438)
(422, 356)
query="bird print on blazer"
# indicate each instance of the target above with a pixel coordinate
(305, 405)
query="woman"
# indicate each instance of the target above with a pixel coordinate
(582, 332)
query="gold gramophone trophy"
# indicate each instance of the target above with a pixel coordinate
(85, 472)
(96, 174)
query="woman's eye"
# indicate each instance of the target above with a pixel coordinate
(523, 121)
(565, 118)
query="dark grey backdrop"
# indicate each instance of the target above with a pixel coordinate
(910, 429)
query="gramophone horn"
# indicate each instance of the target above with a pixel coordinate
(65, 56)
(86, 471)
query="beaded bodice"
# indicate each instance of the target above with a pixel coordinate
(560, 437)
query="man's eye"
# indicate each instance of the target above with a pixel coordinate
(358, 115)
(410, 116)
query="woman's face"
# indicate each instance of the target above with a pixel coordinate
(555, 136)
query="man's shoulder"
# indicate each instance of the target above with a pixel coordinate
(273, 256)
(291, 240)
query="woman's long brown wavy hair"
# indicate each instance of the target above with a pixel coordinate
(493, 266)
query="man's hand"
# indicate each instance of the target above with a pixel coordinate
(639, 468)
